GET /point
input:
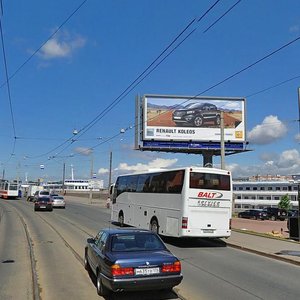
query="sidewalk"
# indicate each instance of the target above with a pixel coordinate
(278, 248)
(252, 240)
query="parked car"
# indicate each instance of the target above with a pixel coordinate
(43, 203)
(253, 214)
(293, 213)
(131, 259)
(42, 193)
(196, 114)
(275, 213)
(58, 201)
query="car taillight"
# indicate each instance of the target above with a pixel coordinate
(173, 268)
(116, 270)
(184, 224)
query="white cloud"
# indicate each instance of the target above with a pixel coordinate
(286, 163)
(103, 171)
(289, 159)
(152, 165)
(61, 45)
(297, 137)
(294, 28)
(270, 130)
(83, 151)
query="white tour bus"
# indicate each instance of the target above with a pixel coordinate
(183, 202)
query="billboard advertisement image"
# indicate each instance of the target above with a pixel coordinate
(178, 118)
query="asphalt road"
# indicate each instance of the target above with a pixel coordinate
(56, 242)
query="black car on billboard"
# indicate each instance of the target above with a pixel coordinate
(197, 114)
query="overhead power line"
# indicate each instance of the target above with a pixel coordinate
(273, 86)
(143, 75)
(8, 90)
(44, 43)
(231, 76)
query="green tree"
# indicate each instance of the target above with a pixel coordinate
(285, 202)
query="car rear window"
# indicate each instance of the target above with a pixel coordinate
(44, 193)
(58, 197)
(136, 242)
(44, 199)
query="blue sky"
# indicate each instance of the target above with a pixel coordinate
(65, 76)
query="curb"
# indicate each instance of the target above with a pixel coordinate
(269, 255)
(264, 235)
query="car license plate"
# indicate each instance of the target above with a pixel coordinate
(146, 271)
(42, 206)
(208, 231)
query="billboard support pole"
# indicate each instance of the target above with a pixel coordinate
(207, 158)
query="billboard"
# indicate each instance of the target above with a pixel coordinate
(184, 118)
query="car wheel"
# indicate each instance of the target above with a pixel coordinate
(154, 226)
(121, 220)
(101, 289)
(86, 263)
(198, 121)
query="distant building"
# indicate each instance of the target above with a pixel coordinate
(264, 191)
(84, 184)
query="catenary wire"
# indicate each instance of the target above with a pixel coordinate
(8, 91)
(44, 43)
(137, 81)
(233, 75)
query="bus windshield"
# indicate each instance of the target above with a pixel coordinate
(13, 187)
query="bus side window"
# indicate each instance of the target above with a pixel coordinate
(143, 183)
(121, 185)
(174, 182)
(132, 183)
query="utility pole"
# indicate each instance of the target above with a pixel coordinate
(92, 172)
(110, 170)
(222, 143)
(63, 178)
(298, 181)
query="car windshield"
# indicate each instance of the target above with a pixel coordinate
(136, 241)
(193, 105)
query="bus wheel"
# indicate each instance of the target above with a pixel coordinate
(154, 226)
(121, 220)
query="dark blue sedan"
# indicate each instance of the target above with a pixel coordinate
(131, 260)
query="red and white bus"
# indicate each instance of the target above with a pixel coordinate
(8, 190)
(183, 202)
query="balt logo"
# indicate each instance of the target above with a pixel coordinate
(210, 195)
